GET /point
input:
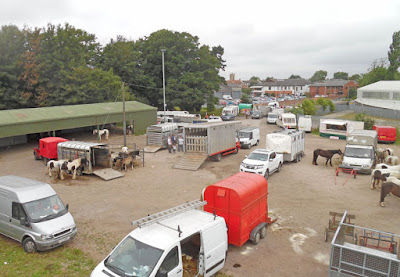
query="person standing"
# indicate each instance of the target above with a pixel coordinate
(180, 144)
(169, 144)
(173, 143)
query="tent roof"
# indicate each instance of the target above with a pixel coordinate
(382, 86)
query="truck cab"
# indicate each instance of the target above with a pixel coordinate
(163, 247)
(262, 162)
(249, 137)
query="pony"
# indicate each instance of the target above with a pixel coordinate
(72, 166)
(102, 132)
(392, 160)
(127, 161)
(387, 188)
(390, 167)
(54, 165)
(377, 177)
(328, 154)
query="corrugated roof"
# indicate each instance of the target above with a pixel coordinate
(382, 86)
(18, 116)
(331, 83)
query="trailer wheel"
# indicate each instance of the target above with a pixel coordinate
(263, 232)
(256, 239)
(218, 157)
(296, 159)
(236, 151)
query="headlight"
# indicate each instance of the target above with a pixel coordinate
(44, 237)
(258, 166)
(242, 164)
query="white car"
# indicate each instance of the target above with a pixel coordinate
(262, 162)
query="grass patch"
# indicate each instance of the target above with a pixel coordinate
(315, 131)
(62, 261)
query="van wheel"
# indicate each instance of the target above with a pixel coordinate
(263, 232)
(218, 157)
(257, 142)
(266, 175)
(256, 239)
(29, 245)
(35, 155)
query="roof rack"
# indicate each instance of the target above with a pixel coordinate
(150, 219)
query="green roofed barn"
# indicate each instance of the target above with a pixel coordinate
(20, 122)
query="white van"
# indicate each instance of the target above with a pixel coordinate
(286, 120)
(305, 123)
(166, 242)
(249, 137)
(31, 212)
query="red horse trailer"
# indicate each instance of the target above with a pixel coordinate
(47, 149)
(242, 201)
(385, 133)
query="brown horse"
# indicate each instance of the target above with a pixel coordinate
(328, 154)
(387, 188)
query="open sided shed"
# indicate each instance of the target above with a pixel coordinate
(20, 122)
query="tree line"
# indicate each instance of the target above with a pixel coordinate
(63, 65)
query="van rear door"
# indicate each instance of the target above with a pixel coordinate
(215, 245)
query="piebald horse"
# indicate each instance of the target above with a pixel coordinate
(104, 132)
(72, 166)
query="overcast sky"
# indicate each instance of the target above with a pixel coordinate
(260, 38)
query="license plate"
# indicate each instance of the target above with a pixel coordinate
(383, 136)
(63, 239)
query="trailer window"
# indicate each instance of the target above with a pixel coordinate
(336, 127)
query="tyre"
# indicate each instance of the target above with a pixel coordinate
(36, 155)
(296, 159)
(29, 245)
(266, 175)
(279, 167)
(263, 232)
(256, 239)
(236, 151)
(218, 157)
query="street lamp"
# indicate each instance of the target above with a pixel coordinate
(163, 75)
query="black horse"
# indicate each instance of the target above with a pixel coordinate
(325, 153)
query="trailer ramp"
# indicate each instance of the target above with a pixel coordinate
(152, 148)
(191, 161)
(108, 173)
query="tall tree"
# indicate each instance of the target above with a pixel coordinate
(355, 77)
(12, 46)
(294, 77)
(394, 57)
(376, 72)
(319, 75)
(254, 80)
(269, 79)
(341, 75)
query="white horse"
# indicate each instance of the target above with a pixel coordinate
(72, 166)
(390, 167)
(54, 165)
(393, 180)
(392, 160)
(102, 132)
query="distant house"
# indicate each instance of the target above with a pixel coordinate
(382, 94)
(332, 87)
(279, 88)
(233, 88)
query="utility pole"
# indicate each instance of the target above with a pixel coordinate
(123, 112)
(163, 77)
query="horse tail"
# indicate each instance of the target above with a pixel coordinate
(315, 156)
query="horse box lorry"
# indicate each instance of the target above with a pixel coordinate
(185, 238)
(385, 133)
(289, 143)
(32, 213)
(359, 153)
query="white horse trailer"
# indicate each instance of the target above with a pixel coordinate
(337, 128)
(290, 143)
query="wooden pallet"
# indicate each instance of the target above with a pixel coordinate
(191, 161)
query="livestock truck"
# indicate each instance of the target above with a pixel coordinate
(157, 136)
(359, 153)
(186, 241)
(208, 140)
(289, 143)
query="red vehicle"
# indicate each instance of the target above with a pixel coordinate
(47, 149)
(385, 133)
(242, 201)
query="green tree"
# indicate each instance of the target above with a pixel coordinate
(341, 75)
(246, 98)
(355, 77)
(308, 107)
(377, 72)
(319, 75)
(254, 81)
(12, 46)
(368, 122)
(269, 79)
(352, 93)
(294, 77)
(394, 57)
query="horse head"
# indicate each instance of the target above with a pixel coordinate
(339, 152)
(94, 131)
(84, 161)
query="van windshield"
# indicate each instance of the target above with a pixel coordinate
(133, 258)
(272, 115)
(358, 153)
(258, 157)
(45, 209)
(244, 134)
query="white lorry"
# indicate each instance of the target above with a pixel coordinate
(305, 123)
(262, 162)
(249, 137)
(289, 143)
(359, 153)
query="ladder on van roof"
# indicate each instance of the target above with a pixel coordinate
(150, 219)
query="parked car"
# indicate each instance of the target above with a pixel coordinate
(228, 117)
(262, 162)
(257, 115)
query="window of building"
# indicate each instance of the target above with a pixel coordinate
(376, 95)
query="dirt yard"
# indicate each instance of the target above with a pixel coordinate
(300, 196)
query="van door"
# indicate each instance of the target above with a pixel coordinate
(5, 212)
(215, 245)
(16, 229)
(172, 264)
